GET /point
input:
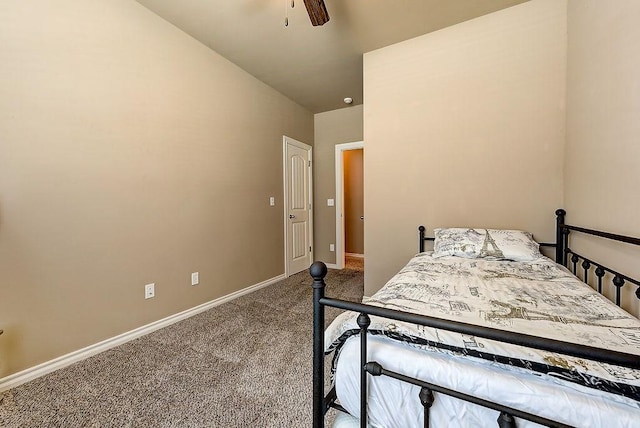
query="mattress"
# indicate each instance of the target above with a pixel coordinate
(540, 298)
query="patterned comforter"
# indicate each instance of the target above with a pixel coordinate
(538, 298)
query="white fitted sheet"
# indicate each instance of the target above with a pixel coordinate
(396, 404)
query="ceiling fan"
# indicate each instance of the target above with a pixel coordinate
(317, 12)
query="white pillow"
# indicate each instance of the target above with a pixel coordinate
(486, 243)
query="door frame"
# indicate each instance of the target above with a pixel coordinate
(288, 140)
(340, 148)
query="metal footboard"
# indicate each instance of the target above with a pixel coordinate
(507, 415)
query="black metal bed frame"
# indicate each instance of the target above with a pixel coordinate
(506, 419)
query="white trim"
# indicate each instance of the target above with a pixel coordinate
(32, 373)
(332, 266)
(287, 140)
(311, 203)
(339, 197)
(356, 255)
(285, 202)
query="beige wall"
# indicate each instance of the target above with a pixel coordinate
(464, 127)
(353, 201)
(331, 128)
(602, 169)
(129, 154)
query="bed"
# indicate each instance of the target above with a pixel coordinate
(479, 331)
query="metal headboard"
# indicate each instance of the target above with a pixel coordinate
(563, 251)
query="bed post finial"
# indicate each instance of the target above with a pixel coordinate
(421, 244)
(560, 238)
(318, 271)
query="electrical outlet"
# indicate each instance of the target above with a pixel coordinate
(332, 247)
(149, 291)
(272, 201)
(195, 278)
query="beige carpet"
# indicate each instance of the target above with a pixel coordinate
(246, 363)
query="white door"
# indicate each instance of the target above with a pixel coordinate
(298, 218)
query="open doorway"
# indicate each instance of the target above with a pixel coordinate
(350, 205)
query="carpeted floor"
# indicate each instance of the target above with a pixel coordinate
(246, 363)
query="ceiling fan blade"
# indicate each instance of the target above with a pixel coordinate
(317, 12)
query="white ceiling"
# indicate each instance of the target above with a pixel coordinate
(315, 66)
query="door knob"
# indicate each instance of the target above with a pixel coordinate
(361, 217)
(292, 216)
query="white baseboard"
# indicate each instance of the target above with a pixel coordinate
(360, 256)
(31, 373)
(332, 265)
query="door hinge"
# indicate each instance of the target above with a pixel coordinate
(309, 249)
(309, 163)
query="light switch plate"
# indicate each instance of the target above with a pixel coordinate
(330, 202)
(272, 201)
(195, 278)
